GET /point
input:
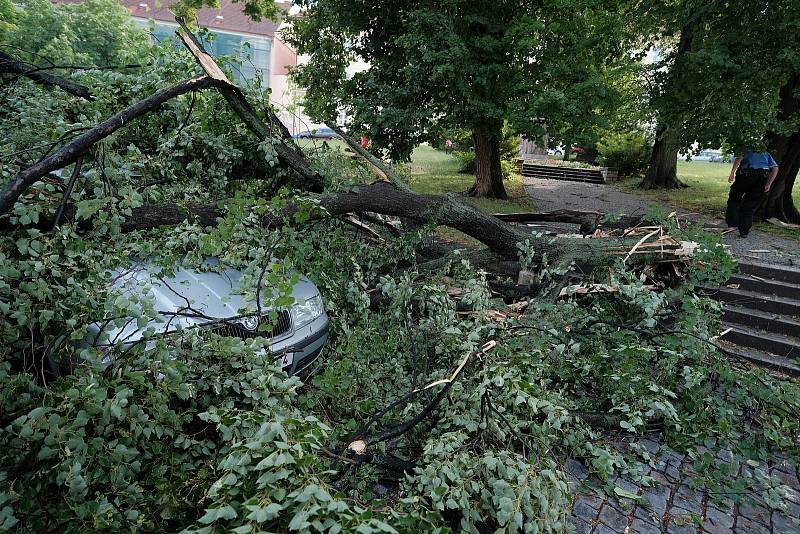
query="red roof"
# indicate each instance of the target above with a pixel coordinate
(228, 17)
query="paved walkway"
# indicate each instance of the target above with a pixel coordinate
(672, 506)
(556, 194)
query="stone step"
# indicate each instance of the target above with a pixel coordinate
(561, 174)
(753, 300)
(762, 320)
(778, 344)
(567, 178)
(762, 359)
(765, 286)
(545, 168)
(771, 271)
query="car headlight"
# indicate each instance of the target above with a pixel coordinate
(305, 312)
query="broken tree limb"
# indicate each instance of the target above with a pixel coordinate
(381, 169)
(69, 153)
(589, 221)
(502, 239)
(288, 153)
(360, 442)
(394, 230)
(11, 65)
(387, 199)
(76, 172)
(378, 197)
(362, 227)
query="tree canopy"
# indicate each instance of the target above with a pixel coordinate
(719, 80)
(458, 64)
(89, 33)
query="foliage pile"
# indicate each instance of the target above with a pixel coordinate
(197, 432)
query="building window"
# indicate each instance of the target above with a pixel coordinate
(253, 53)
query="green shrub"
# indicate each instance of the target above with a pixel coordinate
(629, 152)
(466, 161)
(508, 168)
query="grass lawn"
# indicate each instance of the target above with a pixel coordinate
(434, 172)
(311, 144)
(707, 192)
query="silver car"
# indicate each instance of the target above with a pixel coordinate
(212, 300)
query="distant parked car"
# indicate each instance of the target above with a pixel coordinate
(319, 133)
(710, 155)
(209, 301)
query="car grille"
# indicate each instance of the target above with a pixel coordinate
(282, 325)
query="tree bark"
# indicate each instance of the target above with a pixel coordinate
(663, 170)
(9, 64)
(786, 150)
(379, 197)
(488, 172)
(589, 221)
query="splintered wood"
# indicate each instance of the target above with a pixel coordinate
(653, 240)
(206, 62)
(585, 289)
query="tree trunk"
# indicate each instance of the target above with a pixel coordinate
(663, 170)
(488, 173)
(786, 150)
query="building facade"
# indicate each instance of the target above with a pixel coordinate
(263, 57)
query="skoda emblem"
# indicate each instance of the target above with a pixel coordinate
(250, 323)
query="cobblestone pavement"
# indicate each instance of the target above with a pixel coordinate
(671, 506)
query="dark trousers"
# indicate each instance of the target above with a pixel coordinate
(745, 196)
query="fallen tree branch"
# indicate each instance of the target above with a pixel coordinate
(70, 152)
(67, 193)
(501, 238)
(392, 229)
(289, 154)
(589, 221)
(379, 197)
(360, 442)
(361, 227)
(11, 65)
(381, 169)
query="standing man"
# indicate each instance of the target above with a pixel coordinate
(752, 175)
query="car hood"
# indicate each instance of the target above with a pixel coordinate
(183, 298)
